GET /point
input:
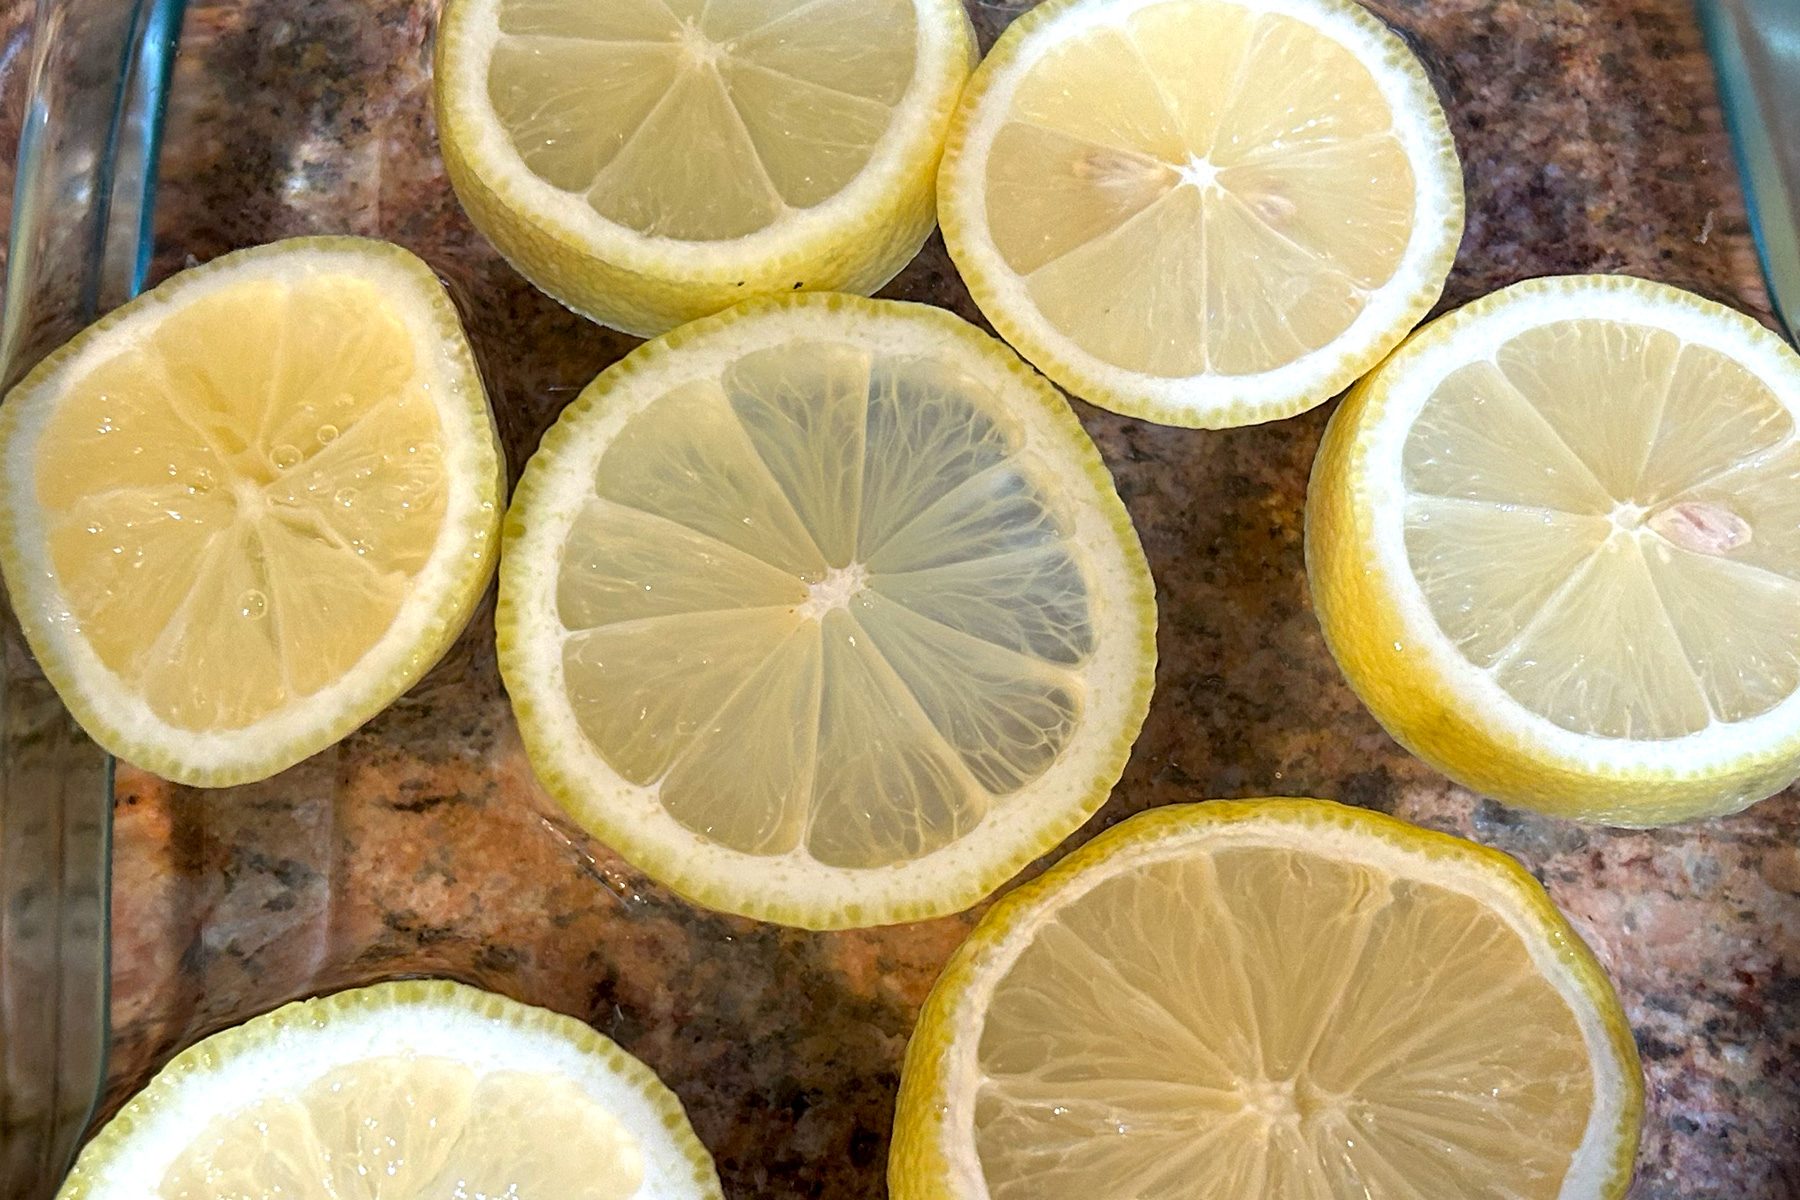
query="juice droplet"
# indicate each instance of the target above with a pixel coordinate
(200, 482)
(327, 434)
(284, 456)
(345, 496)
(252, 604)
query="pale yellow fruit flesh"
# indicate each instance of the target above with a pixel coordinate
(821, 605)
(237, 504)
(1606, 520)
(699, 122)
(402, 1127)
(1309, 1028)
(1200, 189)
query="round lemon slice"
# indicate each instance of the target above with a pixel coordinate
(825, 611)
(1286, 999)
(1201, 212)
(1554, 543)
(400, 1091)
(252, 507)
(647, 162)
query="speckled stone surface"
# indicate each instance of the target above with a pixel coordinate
(1592, 141)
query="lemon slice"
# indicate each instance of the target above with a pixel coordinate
(402, 1091)
(1554, 543)
(825, 611)
(1201, 212)
(1284, 998)
(647, 162)
(247, 510)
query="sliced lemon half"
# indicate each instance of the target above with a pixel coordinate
(400, 1091)
(1201, 212)
(647, 162)
(825, 611)
(252, 507)
(1554, 543)
(1286, 999)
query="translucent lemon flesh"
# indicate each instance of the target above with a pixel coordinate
(237, 505)
(699, 121)
(822, 605)
(1199, 188)
(1605, 518)
(1269, 1021)
(402, 1127)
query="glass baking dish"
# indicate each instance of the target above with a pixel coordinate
(422, 846)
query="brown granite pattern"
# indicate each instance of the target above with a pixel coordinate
(420, 845)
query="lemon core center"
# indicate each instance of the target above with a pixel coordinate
(839, 586)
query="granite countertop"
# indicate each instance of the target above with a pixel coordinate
(1592, 141)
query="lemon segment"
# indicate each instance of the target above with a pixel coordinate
(647, 163)
(396, 1092)
(825, 611)
(249, 509)
(1281, 998)
(1552, 544)
(1203, 212)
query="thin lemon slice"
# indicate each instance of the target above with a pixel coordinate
(1201, 212)
(825, 611)
(1555, 546)
(1283, 998)
(651, 161)
(249, 509)
(400, 1091)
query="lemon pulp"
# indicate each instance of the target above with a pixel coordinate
(699, 121)
(1605, 519)
(1309, 1028)
(232, 525)
(1280, 998)
(822, 606)
(399, 1126)
(824, 610)
(419, 1090)
(1199, 187)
